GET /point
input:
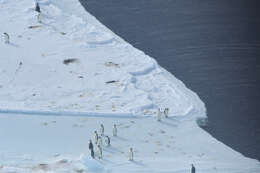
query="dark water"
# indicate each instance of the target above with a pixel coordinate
(212, 46)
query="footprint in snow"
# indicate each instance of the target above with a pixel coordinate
(201, 155)
(158, 143)
(162, 131)
(79, 170)
(42, 166)
(45, 124)
(62, 161)
(78, 125)
(150, 134)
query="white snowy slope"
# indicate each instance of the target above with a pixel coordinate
(43, 83)
(49, 110)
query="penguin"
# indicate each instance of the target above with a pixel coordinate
(90, 145)
(96, 137)
(39, 17)
(107, 141)
(166, 111)
(159, 116)
(92, 153)
(193, 169)
(6, 38)
(37, 7)
(99, 142)
(102, 130)
(131, 154)
(100, 151)
(114, 130)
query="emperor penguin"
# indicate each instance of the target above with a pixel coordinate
(159, 115)
(37, 7)
(107, 141)
(114, 130)
(131, 154)
(96, 137)
(6, 38)
(193, 169)
(102, 130)
(99, 151)
(99, 142)
(166, 111)
(39, 17)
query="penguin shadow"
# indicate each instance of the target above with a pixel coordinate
(105, 160)
(168, 123)
(174, 119)
(111, 149)
(119, 138)
(14, 45)
(139, 163)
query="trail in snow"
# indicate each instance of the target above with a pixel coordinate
(67, 113)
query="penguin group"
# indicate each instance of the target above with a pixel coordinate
(98, 140)
(160, 112)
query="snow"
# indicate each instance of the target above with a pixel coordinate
(91, 164)
(167, 146)
(141, 85)
(49, 110)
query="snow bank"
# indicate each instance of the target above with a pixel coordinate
(109, 77)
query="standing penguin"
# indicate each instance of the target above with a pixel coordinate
(131, 154)
(37, 7)
(159, 115)
(92, 153)
(6, 38)
(102, 129)
(99, 151)
(107, 141)
(91, 148)
(90, 145)
(99, 142)
(114, 130)
(39, 17)
(96, 137)
(166, 111)
(193, 169)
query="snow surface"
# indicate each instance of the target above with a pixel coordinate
(49, 110)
